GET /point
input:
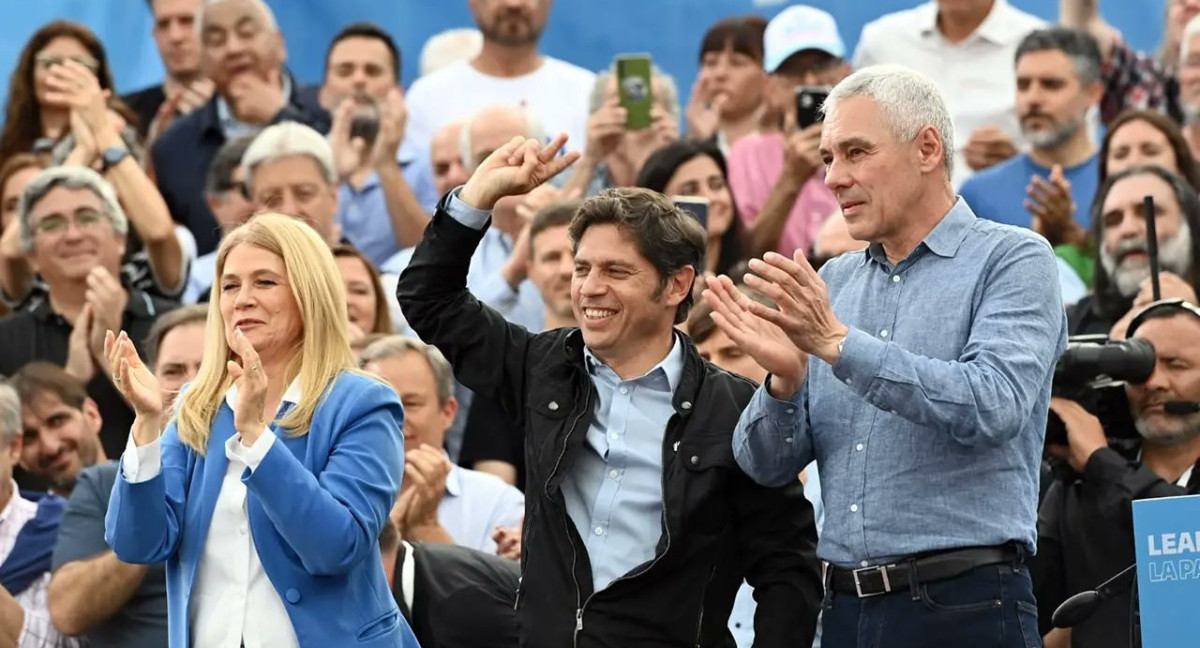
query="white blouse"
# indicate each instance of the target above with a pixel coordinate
(232, 602)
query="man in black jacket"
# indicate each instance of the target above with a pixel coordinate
(452, 596)
(1085, 525)
(639, 525)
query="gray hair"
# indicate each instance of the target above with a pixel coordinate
(68, 177)
(667, 94)
(910, 101)
(1076, 44)
(263, 8)
(1189, 32)
(397, 345)
(449, 46)
(10, 413)
(286, 139)
(533, 130)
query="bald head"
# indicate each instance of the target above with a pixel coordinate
(445, 155)
(493, 127)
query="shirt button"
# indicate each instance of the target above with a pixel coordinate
(624, 390)
(883, 333)
(614, 436)
(790, 410)
(695, 460)
(859, 447)
(865, 564)
(849, 381)
(895, 278)
(788, 440)
(854, 508)
(242, 529)
(687, 405)
(614, 474)
(599, 531)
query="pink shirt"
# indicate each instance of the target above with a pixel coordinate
(755, 162)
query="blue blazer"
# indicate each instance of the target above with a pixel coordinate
(316, 505)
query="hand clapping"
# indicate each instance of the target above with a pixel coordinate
(251, 382)
(136, 383)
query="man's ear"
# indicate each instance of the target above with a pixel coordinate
(679, 285)
(931, 149)
(91, 416)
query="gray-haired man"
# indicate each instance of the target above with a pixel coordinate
(73, 229)
(927, 429)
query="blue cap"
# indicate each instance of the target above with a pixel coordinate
(799, 28)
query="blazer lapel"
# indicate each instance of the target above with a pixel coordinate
(208, 475)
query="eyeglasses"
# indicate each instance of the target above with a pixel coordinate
(85, 219)
(47, 61)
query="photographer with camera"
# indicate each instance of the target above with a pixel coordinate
(1085, 526)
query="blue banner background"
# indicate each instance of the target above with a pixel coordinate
(585, 32)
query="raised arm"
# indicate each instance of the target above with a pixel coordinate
(486, 351)
(1085, 15)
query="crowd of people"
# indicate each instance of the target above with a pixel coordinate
(460, 365)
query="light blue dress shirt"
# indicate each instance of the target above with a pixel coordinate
(231, 128)
(613, 493)
(475, 503)
(363, 212)
(929, 428)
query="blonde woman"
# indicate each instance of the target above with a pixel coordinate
(266, 492)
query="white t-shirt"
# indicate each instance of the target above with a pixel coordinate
(557, 93)
(977, 76)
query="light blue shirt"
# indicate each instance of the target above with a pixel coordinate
(232, 128)
(475, 503)
(523, 306)
(613, 492)
(201, 278)
(363, 212)
(929, 428)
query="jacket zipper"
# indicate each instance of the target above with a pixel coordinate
(666, 531)
(700, 623)
(587, 401)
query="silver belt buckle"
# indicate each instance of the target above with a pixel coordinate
(882, 569)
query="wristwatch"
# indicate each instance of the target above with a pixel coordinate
(112, 156)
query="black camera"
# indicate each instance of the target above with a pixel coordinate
(1093, 372)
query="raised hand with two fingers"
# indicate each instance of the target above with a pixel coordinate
(515, 169)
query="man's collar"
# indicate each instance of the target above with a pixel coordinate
(943, 240)
(228, 123)
(997, 27)
(454, 487)
(671, 367)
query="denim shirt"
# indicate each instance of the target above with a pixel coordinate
(928, 429)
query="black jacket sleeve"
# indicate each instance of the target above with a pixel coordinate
(487, 351)
(1047, 569)
(1111, 483)
(777, 538)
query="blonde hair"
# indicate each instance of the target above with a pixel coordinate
(324, 350)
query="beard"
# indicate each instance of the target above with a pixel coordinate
(1054, 136)
(1171, 432)
(523, 30)
(1174, 255)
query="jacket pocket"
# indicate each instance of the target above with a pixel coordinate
(379, 626)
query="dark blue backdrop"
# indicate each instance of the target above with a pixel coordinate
(585, 32)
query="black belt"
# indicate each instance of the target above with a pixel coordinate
(883, 579)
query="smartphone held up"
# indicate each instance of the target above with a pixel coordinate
(809, 100)
(696, 206)
(635, 90)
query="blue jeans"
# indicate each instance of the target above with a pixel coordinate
(988, 607)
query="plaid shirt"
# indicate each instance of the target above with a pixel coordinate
(37, 631)
(1134, 79)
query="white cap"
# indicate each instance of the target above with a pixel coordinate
(799, 28)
